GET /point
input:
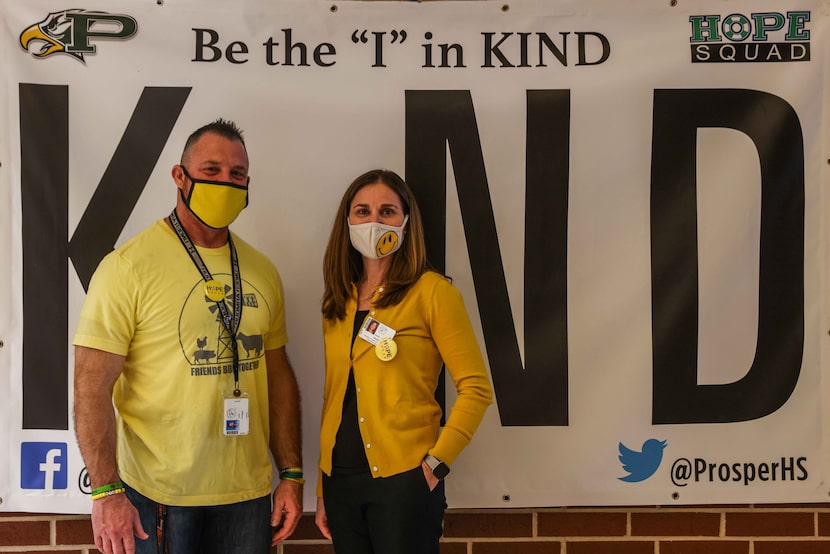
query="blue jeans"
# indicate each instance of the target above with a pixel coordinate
(241, 528)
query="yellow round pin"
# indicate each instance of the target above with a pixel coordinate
(386, 349)
(214, 290)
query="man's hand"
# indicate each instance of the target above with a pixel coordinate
(115, 521)
(288, 509)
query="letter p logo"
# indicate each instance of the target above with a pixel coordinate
(88, 25)
(70, 32)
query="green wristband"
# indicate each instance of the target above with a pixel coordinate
(107, 488)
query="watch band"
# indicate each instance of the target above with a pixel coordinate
(439, 468)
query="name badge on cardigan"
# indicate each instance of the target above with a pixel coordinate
(372, 331)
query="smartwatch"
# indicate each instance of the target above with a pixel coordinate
(439, 468)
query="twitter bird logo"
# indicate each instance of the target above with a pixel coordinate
(641, 465)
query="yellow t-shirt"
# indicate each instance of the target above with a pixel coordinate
(146, 301)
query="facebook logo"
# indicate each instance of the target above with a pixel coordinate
(43, 465)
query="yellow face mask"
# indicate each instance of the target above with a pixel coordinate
(215, 203)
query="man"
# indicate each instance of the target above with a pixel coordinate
(183, 331)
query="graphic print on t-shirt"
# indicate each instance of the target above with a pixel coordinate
(205, 340)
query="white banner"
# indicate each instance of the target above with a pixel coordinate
(630, 196)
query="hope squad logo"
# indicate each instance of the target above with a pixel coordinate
(758, 37)
(71, 32)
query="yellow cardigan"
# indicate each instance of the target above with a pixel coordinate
(398, 415)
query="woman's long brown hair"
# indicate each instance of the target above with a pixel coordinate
(343, 265)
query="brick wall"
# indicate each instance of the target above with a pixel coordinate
(776, 529)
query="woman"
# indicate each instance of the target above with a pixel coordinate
(382, 453)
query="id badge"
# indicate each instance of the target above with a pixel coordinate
(373, 331)
(235, 416)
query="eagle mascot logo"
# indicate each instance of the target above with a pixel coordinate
(69, 32)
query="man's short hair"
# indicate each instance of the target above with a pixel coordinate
(222, 127)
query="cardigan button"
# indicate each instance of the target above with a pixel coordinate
(362, 420)
(368, 445)
(375, 468)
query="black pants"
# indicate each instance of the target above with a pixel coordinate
(389, 515)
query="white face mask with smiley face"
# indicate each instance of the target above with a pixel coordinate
(376, 240)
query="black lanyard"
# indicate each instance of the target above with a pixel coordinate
(230, 321)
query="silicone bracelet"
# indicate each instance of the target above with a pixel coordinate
(105, 494)
(105, 488)
(299, 480)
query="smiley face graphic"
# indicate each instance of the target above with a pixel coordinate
(387, 243)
